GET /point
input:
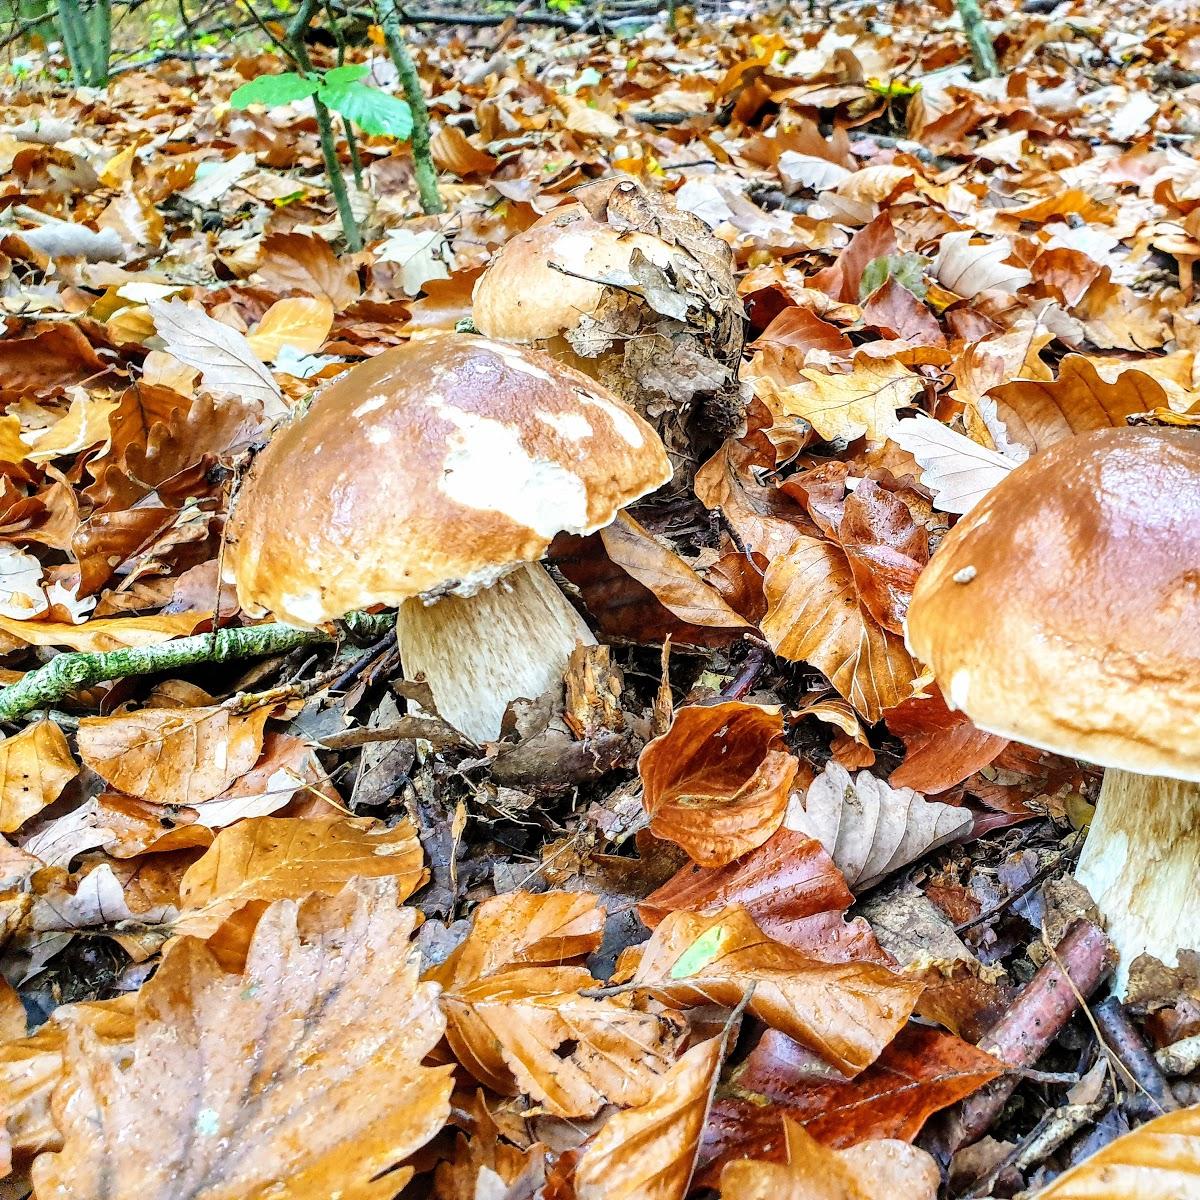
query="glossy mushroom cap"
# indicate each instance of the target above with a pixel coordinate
(1064, 609)
(435, 467)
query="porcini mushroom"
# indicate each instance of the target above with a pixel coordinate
(621, 284)
(433, 478)
(1062, 611)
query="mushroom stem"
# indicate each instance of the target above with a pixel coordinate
(480, 652)
(1141, 863)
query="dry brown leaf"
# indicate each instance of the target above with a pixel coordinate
(85, 425)
(299, 1077)
(274, 858)
(303, 262)
(814, 615)
(871, 829)
(968, 269)
(174, 755)
(1037, 414)
(845, 1012)
(35, 766)
(301, 322)
(650, 1151)
(878, 1170)
(717, 782)
(864, 401)
(104, 634)
(524, 929)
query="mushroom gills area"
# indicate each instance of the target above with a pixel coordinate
(478, 653)
(1141, 863)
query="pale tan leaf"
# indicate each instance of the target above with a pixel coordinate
(968, 268)
(35, 766)
(173, 755)
(957, 470)
(301, 322)
(582, 118)
(21, 593)
(529, 1030)
(869, 828)
(296, 1078)
(275, 858)
(814, 616)
(884, 1169)
(84, 426)
(650, 1151)
(1157, 1161)
(103, 634)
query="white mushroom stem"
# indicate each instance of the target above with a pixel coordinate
(478, 653)
(1141, 863)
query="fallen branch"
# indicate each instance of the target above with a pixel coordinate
(1125, 1044)
(67, 673)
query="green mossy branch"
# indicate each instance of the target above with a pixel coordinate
(67, 673)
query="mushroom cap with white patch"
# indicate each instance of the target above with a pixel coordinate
(435, 467)
(549, 278)
(1064, 609)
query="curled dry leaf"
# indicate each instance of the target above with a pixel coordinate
(968, 268)
(1158, 1161)
(649, 1153)
(271, 858)
(174, 755)
(529, 1030)
(871, 829)
(103, 634)
(35, 766)
(717, 782)
(306, 263)
(844, 1012)
(944, 747)
(958, 471)
(880, 1170)
(299, 1077)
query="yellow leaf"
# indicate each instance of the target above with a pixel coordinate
(84, 426)
(12, 449)
(131, 324)
(119, 168)
(844, 406)
(275, 858)
(108, 633)
(302, 322)
(173, 755)
(35, 766)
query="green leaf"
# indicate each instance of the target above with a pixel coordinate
(274, 89)
(337, 76)
(908, 270)
(705, 949)
(369, 108)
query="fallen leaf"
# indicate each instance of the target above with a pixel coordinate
(650, 1151)
(300, 322)
(35, 766)
(305, 263)
(717, 782)
(173, 755)
(958, 471)
(879, 1170)
(845, 1012)
(274, 858)
(85, 425)
(943, 746)
(288, 1079)
(968, 268)
(871, 829)
(104, 634)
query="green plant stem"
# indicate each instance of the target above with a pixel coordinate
(67, 673)
(355, 157)
(983, 54)
(337, 181)
(423, 165)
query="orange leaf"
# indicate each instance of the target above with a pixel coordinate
(717, 782)
(35, 766)
(98, 636)
(305, 263)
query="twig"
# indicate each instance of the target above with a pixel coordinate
(747, 675)
(67, 673)
(1125, 1044)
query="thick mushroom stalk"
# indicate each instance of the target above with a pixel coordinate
(1141, 864)
(479, 653)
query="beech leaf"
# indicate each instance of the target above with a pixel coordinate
(968, 268)
(299, 322)
(299, 1077)
(102, 634)
(871, 829)
(35, 766)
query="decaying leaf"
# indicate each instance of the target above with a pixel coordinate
(35, 766)
(717, 782)
(299, 1077)
(844, 1012)
(968, 268)
(869, 828)
(651, 1150)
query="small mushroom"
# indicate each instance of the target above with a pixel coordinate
(433, 478)
(1077, 632)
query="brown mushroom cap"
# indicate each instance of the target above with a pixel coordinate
(435, 467)
(1064, 609)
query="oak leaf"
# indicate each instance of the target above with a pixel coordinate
(871, 829)
(298, 1077)
(958, 471)
(174, 755)
(299, 322)
(1157, 1161)
(650, 1151)
(717, 782)
(845, 1012)
(35, 766)
(273, 858)
(880, 1170)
